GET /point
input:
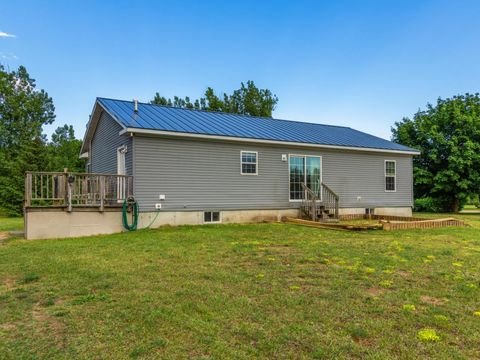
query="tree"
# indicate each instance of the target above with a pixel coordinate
(248, 100)
(448, 135)
(23, 111)
(64, 150)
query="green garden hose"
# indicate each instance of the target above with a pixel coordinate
(132, 205)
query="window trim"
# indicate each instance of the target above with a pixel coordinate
(385, 176)
(212, 222)
(305, 175)
(241, 162)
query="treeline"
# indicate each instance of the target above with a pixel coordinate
(447, 172)
(24, 110)
(247, 100)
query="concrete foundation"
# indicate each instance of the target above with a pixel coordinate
(391, 211)
(58, 223)
(227, 217)
(351, 211)
(394, 211)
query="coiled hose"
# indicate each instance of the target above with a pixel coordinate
(130, 205)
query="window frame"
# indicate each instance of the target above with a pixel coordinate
(305, 173)
(241, 162)
(122, 159)
(211, 217)
(385, 176)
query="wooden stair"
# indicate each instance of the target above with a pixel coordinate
(320, 207)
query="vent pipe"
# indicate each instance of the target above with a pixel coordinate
(135, 105)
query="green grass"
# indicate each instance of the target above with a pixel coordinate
(11, 223)
(243, 291)
(470, 208)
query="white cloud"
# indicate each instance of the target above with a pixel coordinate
(4, 34)
(8, 56)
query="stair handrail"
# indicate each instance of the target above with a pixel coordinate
(328, 196)
(309, 202)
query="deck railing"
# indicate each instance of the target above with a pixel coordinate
(318, 207)
(63, 189)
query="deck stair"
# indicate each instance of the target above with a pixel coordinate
(321, 207)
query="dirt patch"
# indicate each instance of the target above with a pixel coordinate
(365, 342)
(374, 291)
(4, 236)
(404, 274)
(431, 300)
(8, 326)
(10, 284)
(49, 324)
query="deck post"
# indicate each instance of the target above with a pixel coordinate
(102, 192)
(337, 215)
(69, 195)
(314, 209)
(28, 189)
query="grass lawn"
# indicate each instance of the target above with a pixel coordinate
(11, 223)
(243, 291)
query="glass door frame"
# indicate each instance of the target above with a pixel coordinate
(304, 156)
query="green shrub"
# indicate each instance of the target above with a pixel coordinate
(427, 204)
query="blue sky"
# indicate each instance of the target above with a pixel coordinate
(363, 64)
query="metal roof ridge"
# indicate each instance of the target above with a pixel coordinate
(228, 114)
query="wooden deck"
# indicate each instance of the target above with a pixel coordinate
(76, 190)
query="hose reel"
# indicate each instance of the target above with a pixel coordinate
(130, 206)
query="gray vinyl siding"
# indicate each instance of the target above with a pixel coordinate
(201, 175)
(105, 142)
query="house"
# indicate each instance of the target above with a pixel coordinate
(197, 167)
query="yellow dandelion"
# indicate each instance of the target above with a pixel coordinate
(428, 335)
(369, 270)
(476, 313)
(441, 318)
(271, 259)
(409, 307)
(457, 264)
(294, 287)
(260, 276)
(386, 283)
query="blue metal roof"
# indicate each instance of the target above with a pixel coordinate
(165, 118)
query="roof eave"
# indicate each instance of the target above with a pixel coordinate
(92, 125)
(265, 141)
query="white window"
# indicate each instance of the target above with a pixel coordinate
(211, 217)
(249, 162)
(390, 175)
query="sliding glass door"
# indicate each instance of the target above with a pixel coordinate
(304, 170)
